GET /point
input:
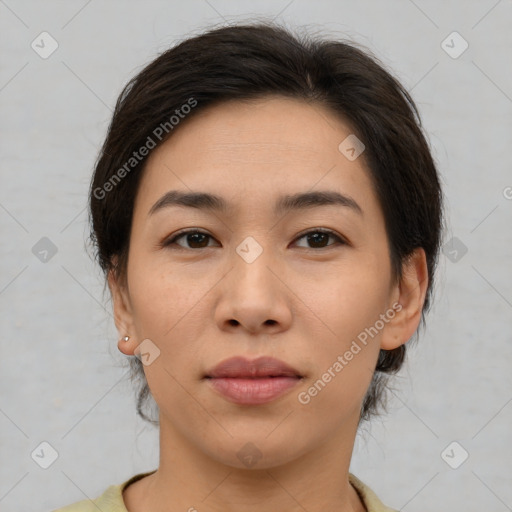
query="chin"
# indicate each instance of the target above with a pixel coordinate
(254, 452)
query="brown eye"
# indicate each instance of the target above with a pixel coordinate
(319, 237)
(195, 238)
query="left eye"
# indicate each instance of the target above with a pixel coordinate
(321, 235)
(316, 236)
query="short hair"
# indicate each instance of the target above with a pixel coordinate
(251, 61)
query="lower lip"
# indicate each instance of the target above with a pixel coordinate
(253, 391)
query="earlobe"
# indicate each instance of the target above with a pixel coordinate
(126, 346)
(410, 293)
(123, 317)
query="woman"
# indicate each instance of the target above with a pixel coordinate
(268, 215)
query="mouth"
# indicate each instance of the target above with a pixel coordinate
(252, 391)
(263, 367)
(246, 382)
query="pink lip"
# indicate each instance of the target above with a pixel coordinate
(247, 382)
(240, 367)
(253, 391)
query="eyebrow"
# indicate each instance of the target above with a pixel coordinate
(286, 203)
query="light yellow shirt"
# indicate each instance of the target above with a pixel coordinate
(112, 499)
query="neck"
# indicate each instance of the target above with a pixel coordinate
(188, 479)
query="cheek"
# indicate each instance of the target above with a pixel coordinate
(351, 297)
(169, 309)
(349, 307)
(345, 361)
(160, 298)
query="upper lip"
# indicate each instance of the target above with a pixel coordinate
(261, 367)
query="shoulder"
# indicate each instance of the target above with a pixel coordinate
(368, 497)
(110, 501)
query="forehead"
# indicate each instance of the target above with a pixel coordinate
(254, 151)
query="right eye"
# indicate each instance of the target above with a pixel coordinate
(193, 236)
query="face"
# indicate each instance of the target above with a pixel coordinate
(301, 285)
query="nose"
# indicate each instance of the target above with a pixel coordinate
(253, 295)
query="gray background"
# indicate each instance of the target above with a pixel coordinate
(62, 378)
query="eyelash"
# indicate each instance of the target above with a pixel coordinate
(172, 241)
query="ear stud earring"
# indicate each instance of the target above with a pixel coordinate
(126, 338)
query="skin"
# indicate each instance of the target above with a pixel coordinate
(203, 303)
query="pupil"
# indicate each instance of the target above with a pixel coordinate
(196, 235)
(316, 235)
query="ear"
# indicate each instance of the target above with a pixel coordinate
(410, 293)
(123, 316)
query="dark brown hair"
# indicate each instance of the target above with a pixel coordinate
(251, 61)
